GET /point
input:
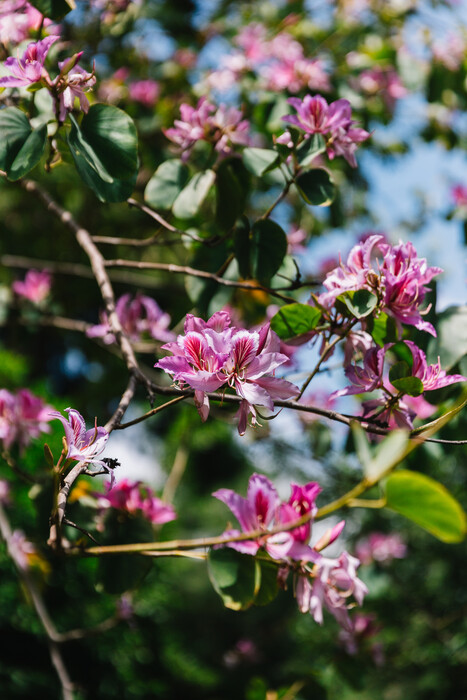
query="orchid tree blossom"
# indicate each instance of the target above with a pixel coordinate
(29, 69)
(137, 316)
(223, 126)
(72, 83)
(23, 417)
(329, 582)
(393, 273)
(35, 287)
(134, 497)
(82, 445)
(212, 355)
(334, 121)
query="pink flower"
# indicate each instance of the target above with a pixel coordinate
(135, 497)
(405, 277)
(82, 445)
(72, 83)
(17, 18)
(296, 237)
(315, 116)
(431, 376)
(212, 354)
(334, 582)
(137, 316)
(384, 81)
(398, 279)
(35, 287)
(262, 509)
(381, 548)
(366, 378)
(23, 552)
(145, 91)
(23, 417)
(29, 69)
(223, 127)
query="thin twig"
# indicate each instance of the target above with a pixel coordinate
(192, 272)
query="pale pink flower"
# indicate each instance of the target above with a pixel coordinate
(383, 81)
(364, 628)
(334, 582)
(380, 547)
(82, 445)
(35, 287)
(22, 551)
(17, 19)
(136, 498)
(72, 83)
(296, 238)
(366, 378)
(137, 316)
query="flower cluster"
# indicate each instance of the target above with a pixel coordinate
(396, 275)
(213, 354)
(223, 127)
(35, 287)
(72, 81)
(333, 121)
(23, 417)
(137, 316)
(278, 62)
(136, 498)
(320, 582)
(412, 378)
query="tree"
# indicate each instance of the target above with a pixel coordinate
(168, 209)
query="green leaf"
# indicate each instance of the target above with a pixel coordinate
(122, 572)
(241, 244)
(29, 154)
(193, 195)
(268, 249)
(360, 303)
(400, 376)
(316, 187)
(54, 9)
(235, 577)
(230, 192)
(166, 184)
(428, 503)
(105, 151)
(413, 386)
(112, 136)
(382, 329)
(259, 160)
(295, 319)
(309, 149)
(15, 129)
(269, 586)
